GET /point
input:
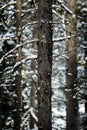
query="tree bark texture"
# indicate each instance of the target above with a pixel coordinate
(18, 99)
(72, 116)
(44, 64)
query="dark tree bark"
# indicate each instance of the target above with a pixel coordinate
(18, 99)
(72, 116)
(44, 64)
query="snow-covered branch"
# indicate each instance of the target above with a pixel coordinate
(15, 48)
(31, 111)
(4, 6)
(56, 6)
(32, 23)
(31, 41)
(33, 114)
(28, 10)
(66, 8)
(24, 121)
(57, 14)
(8, 38)
(64, 38)
(25, 114)
(17, 64)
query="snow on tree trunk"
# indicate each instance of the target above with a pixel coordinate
(33, 67)
(72, 119)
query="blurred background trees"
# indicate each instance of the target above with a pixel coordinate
(43, 64)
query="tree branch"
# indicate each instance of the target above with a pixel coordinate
(17, 46)
(66, 8)
(64, 38)
(3, 7)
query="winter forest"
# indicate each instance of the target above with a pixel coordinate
(43, 65)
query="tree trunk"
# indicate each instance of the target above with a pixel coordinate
(44, 64)
(72, 119)
(18, 100)
(33, 65)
